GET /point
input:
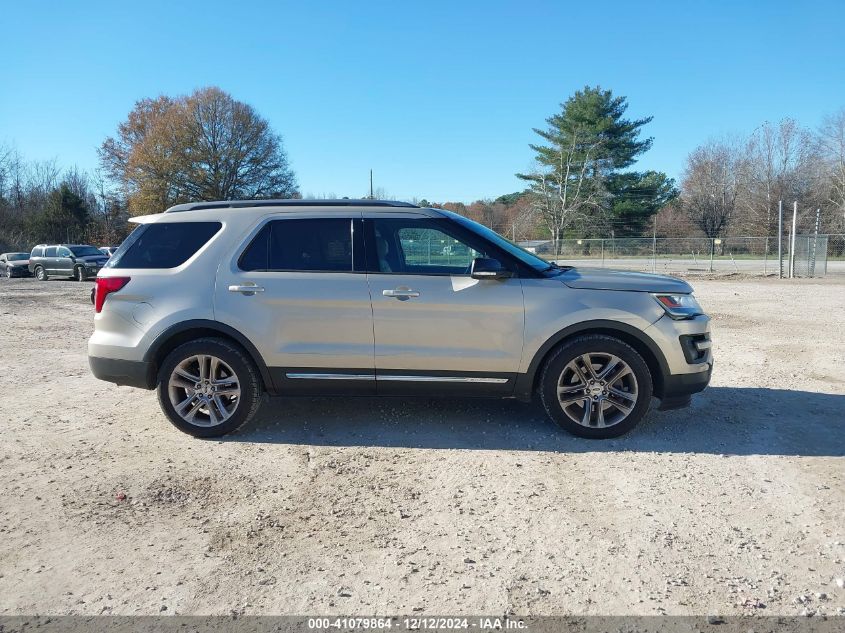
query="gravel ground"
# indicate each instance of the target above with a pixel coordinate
(734, 506)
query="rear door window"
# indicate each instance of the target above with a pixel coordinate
(50, 252)
(163, 245)
(311, 245)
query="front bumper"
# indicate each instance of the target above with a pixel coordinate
(686, 346)
(678, 388)
(17, 271)
(130, 373)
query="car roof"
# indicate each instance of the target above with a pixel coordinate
(246, 210)
(251, 204)
(60, 244)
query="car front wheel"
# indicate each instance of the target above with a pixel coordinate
(79, 273)
(596, 386)
(208, 387)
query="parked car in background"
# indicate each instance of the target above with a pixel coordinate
(213, 303)
(14, 265)
(107, 250)
(79, 261)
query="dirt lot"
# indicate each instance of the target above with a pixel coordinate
(736, 505)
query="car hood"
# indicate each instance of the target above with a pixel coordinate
(605, 279)
(18, 262)
(92, 258)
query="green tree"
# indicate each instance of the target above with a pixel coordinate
(579, 175)
(63, 218)
(637, 197)
(510, 198)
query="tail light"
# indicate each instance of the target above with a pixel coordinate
(105, 286)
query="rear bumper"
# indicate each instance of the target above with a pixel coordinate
(131, 373)
(678, 388)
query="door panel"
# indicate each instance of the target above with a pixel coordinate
(429, 315)
(64, 264)
(50, 259)
(303, 322)
(455, 323)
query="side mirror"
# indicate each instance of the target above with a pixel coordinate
(485, 268)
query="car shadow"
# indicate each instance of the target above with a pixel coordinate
(722, 420)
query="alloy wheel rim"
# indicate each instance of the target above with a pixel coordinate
(597, 390)
(204, 390)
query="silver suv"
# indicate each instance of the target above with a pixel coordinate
(215, 304)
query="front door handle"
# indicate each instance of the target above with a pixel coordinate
(403, 294)
(248, 289)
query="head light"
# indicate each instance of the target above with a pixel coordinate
(679, 306)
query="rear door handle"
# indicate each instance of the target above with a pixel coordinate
(403, 294)
(248, 289)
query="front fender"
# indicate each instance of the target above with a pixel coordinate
(555, 312)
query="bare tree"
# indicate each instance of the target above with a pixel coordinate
(832, 145)
(710, 186)
(6, 156)
(567, 186)
(779, 163)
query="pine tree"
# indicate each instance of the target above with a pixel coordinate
(63, 218)
(580, 177)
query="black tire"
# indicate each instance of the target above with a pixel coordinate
(41, 274)
(594, 344)
(243, 367)
(8, 273)
(79, 273)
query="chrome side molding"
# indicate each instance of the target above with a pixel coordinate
(409, 378)
(332, 376)
(496, 381)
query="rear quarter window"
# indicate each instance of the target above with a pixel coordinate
(163, 245)
(38, 251)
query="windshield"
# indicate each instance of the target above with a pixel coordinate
(84, 251)
(15, 257)
(530, 259)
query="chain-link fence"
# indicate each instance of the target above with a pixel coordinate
(814, 255)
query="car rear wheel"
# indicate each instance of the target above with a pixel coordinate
(208, 387)
(41, 274)
(596, 386)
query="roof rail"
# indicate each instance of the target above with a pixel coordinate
(241, 204)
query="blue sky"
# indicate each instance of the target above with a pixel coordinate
(438, 98)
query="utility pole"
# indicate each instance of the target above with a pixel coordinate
(792, 240)
(780, 239)
(372, 197)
